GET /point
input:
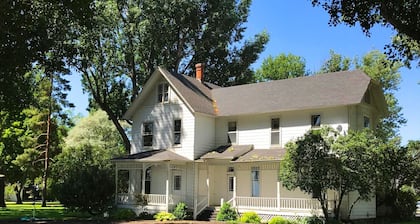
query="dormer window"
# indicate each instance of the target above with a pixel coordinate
(163, 90)
(316, 121)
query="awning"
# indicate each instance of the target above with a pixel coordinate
(228, 152)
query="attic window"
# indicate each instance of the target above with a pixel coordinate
(316, 121)
(163, 90)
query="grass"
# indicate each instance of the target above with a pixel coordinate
(53, 211)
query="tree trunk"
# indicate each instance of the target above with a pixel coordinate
(18, 192)
(2, 202)
(47, 147)
(351, 207)
(120, 129)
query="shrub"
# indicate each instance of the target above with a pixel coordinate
(227, 213)
(280, 220)
(180, 211)
(164, 216)
(250, 217)
(406, 202)
(314, 220)
(123, 214)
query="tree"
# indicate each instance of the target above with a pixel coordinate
(83, 173)
(358, 152)
(28, 30)
(130, 38)
(335, 63)
(281, 67)
(400, 15)
(309, 166)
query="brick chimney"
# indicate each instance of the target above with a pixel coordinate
(199, 71)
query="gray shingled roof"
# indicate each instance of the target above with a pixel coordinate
(153, 156)
(318, 91)
(260, 155)
(229, 152)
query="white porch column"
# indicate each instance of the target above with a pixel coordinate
(208, 184)
(143, 179)
(196, 188)
(167, 187)
(234, 191)
(278, 195)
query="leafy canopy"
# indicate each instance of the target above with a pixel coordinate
(281, 67)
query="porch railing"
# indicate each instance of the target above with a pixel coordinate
(202, 203)
(268, 203)
(152, 199)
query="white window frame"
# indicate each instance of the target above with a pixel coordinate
(177, 132)
(232, 132)
(275, 131)
(163, 93)
(149, 133)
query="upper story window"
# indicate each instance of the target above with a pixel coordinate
(232, 132)
(163, 93)
(147, 134)
(275, 131)
(316, 121)
(177, 132)
(366, 122)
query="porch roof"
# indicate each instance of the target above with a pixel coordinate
(229, 152)
(153, 156)
(260, 155)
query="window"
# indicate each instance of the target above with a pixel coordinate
(177, 182)
(255, 178)
(123, 181)
(366, 122)
(316, 120)
(177, 132)
(163, 96)
(232, 132)
(230, 183)
(148, 134)
(275, 131)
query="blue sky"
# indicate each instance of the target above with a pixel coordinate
(298, 28)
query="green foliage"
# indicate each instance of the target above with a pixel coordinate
(250, 217)
(180, 211)
(309, 165)
(281, 67)
(335, 63)
(82, 181)
(406, 202)
(401, 15)
(226, 213)
(313, 220)
(164, 216)
(279, 220)
(123, 214)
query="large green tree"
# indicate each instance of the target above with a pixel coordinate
(402, 16)
(131, 37)
(281, 67)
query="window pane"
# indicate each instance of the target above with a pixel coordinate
(232, 126)
(148, 128)
(123, 181)
(147, 140)
(177, 125)
(366, 122)
(230, 184)
(177, 182)
(275, 124)
(177, 138)
(255, 177)
(275, 138)
(316, 120)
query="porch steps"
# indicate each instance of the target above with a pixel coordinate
(209, 213)
(213, 216)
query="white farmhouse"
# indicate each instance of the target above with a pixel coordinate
(203, 144)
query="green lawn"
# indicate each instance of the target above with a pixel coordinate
(53, 211)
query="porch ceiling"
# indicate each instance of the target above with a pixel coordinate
(153, 156)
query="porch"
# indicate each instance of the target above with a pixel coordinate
(151, 202)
